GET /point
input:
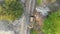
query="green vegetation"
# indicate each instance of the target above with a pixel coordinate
(11, 10)
(39, 2)
(33, 31)
(52, 23)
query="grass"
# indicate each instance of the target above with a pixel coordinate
(33, 31)
(39, 2)
(52, 23)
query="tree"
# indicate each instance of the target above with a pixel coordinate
(11, 10)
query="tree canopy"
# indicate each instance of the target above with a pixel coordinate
(11, 10)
